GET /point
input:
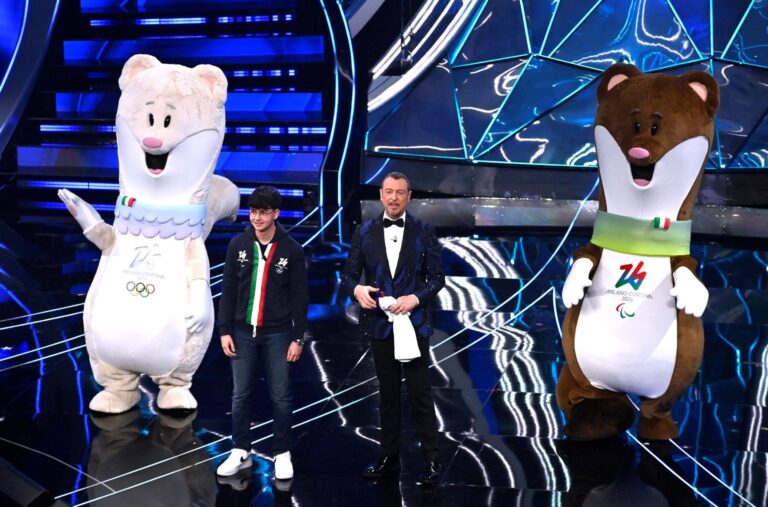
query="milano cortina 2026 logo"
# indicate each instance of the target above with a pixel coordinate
(632, 276)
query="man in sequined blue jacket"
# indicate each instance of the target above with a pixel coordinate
(399, 256)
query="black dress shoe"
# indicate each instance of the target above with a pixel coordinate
(431, 473)
(383, 466)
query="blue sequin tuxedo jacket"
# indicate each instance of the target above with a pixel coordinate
(419, 272)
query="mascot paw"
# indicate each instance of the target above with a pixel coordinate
(576, 281)
(198, 313)
(114, 402)
(691, 294)
(69, 199)
(84, 213)
(598, 419)
(176, 398)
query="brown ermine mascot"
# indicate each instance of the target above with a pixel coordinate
(634, 304)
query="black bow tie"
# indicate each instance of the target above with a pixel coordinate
(399, 222)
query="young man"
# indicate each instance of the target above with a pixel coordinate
(263, 308)
(400, 257)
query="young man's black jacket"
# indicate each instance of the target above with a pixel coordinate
(285, 297)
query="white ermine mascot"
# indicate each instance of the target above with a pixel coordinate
(149, 309)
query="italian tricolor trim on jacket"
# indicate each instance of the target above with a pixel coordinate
(259, 278)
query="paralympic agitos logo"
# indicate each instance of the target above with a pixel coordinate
(623, 312)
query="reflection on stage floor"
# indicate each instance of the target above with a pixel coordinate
(496, 355)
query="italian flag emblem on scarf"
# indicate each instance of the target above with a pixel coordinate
(261, 264)
(661, 223)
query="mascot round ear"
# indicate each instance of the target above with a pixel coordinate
(705, 86)
(134, 66)
(216, 81)
(614, 75)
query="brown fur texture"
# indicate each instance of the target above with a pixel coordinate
(636, 99)
(630, 104)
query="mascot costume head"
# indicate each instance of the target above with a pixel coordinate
(634, 303)
(149, 308)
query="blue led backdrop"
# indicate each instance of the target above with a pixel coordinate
(517, 85)
(11, 22)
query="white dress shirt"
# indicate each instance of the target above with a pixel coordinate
(393, 241)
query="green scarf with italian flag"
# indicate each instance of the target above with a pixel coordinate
(259, 277)
(658, 236)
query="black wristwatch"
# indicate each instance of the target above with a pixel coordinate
(299, 342)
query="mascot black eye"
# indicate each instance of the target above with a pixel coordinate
(637, 128)
(654, 129)
(151, 120)
(168, 121)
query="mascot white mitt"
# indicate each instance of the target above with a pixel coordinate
(149, 309)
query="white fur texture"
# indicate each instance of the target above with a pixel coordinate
(178, 112)
(183, 108)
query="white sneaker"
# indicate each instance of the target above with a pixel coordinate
(283, 466)
(237, 460)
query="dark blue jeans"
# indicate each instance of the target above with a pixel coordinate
(274, 348)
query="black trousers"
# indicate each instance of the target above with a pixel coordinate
(390, 372)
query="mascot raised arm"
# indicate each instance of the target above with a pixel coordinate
(634, 303)
(149, 309)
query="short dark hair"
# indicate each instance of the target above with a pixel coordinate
(397, 175)
(265, 197)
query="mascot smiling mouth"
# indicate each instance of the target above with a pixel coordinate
(642, 174)
(156, 163)
(665, 179)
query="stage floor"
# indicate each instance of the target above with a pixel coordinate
(496, 355)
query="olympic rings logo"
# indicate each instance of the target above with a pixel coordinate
(140, 289)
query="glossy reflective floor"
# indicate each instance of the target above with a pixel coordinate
(496, 356)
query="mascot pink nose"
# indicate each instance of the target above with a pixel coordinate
(153, 142)
(638, 153)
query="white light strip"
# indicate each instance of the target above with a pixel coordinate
(41, 358)
(412, 27)
(433, 26)
(14, 326)
(40, 348)
(327, 223)
(428, 59)
(40, 313)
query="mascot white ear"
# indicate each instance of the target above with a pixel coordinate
(216, 81)
(135, 66)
